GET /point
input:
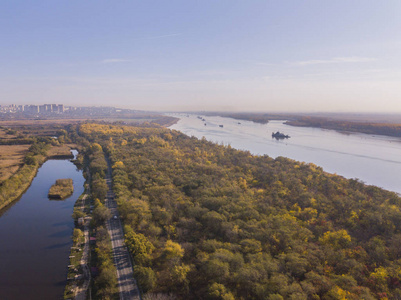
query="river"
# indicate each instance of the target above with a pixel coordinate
(375, 160)
(35, 237)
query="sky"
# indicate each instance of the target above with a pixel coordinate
(270, 56)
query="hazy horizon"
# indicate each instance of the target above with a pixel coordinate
(270, 56)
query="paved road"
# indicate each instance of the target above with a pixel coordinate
(126, 282)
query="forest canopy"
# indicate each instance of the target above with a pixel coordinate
(205, 221)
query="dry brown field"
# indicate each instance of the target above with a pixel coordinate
(14, 123)
(5, 136)
(61, 150)
(11, 158)
(37, 127)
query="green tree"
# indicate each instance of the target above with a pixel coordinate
(219, 292)
(77, 236)
(146, 277)
(140, 247)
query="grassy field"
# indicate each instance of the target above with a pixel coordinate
(40, 125)
(61, 151)
(5, 134)
(11, 158)
(14, 123)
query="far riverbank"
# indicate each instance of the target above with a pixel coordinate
(377, 124)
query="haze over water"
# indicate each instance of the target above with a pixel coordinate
(375, 160)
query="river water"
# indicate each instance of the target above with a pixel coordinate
(35, 237)
(375, 160)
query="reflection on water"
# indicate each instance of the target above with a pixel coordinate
(35, 236)
(373, 159)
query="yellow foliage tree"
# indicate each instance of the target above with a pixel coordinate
(173, 250)
(118, 165)
(337, 239)
(339, 294)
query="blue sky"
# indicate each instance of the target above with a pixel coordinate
(281, 55)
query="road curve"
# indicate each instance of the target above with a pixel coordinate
(127, 285)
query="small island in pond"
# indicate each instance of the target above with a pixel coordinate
(61, 189)
(279, 135)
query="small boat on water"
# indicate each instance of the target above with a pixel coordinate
(279, 135)
(221, 126)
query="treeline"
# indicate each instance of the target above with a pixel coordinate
(17, 141)
(365, 127)
(205, 221)
(105, 282)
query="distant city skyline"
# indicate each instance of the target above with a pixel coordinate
(273, 56)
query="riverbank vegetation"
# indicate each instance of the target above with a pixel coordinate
(347, 126)
(61, 189)
(11, 158)
(257, 118)
(74, 275)
(16, 184)
(77, 277)
(12, 153)
(205, 221)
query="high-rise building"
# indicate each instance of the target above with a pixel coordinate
(42, 108)
(32, 109)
